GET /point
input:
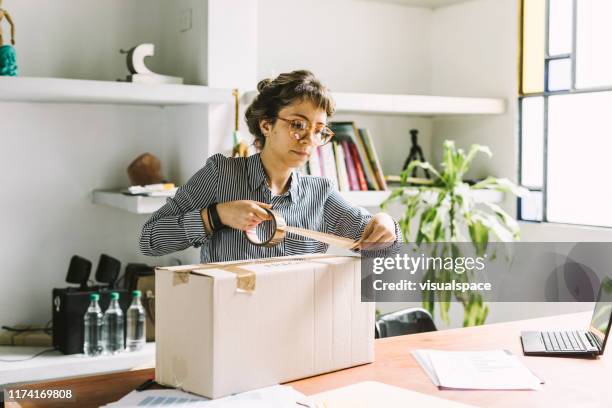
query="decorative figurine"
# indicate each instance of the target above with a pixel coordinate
(416, 153)
(8, 59)
(240, 148)
(140, 72)
(144, 170)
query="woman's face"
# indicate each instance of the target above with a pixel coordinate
(282, 142)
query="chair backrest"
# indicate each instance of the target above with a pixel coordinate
(407, 321)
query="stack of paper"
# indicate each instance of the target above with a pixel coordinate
(476, 370)
(373, 394)
(277, 396)
(153, 190)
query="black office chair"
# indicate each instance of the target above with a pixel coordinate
(407, 321)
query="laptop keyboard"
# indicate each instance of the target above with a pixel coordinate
(563, 341)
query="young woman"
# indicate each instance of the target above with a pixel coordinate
(230, 195)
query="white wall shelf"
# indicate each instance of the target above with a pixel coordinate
(133, 204)
(59, 90)
(148, 205)
(414, 105)
(433, 4)
(55, 365)
(365, 198)
(418, 105)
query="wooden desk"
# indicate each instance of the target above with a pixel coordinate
(570, 382)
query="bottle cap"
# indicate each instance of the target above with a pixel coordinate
(136, 293)
(94, 296)
(114, 295)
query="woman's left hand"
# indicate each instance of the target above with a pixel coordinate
(380, 230)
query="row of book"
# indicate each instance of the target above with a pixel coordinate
(350, 160)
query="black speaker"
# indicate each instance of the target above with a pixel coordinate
(108, 270)
(78, 271)
(70, 304)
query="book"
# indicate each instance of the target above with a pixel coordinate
(366, 164)
(363, 185)
(372, 154)
(343, 181)
(321, 161)
(314, 166)
(350, 166)
(328, 162)
(348, 131)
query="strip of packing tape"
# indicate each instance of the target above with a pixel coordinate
(245, 279)
(280, 228)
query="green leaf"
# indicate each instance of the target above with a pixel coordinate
(428, 296)
(500, 230)
(474, 150)
(405, 174)
(501, 184)
(449, 163)
(444, 209)
(505, 218)
(483, 315)
(395, 195)
(479, 234)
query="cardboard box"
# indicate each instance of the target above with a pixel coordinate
(235, 326)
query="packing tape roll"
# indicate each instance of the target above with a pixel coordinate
(280, 228)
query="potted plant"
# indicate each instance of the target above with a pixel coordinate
(447, 214)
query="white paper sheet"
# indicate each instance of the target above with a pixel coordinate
(422, 358)
(483, 370)
(373, 394)
(151, 397)
(277, 396)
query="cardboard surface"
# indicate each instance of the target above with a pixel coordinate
(34, 337)
(304, 317)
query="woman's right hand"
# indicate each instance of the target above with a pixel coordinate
(243, 214)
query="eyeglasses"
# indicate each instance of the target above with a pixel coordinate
(299, 129)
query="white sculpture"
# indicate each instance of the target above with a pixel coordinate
(138, 68)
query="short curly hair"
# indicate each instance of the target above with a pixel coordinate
(276, 94)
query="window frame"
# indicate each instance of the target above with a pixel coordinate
(545, 94)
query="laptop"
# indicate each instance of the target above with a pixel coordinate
(588, 343)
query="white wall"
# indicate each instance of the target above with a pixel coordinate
(475, 53)
(81, 39)
(351, 45)
(354, 46)
(182, 52)
(52, 157)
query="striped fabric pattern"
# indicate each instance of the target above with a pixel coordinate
(311, 202)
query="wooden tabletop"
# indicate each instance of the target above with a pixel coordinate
(570, 382)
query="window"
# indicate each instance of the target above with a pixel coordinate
(565, 108)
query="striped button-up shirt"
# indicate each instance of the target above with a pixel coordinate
(310, 202)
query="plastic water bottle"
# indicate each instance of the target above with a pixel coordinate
(92, 345)
(135, 323)
(113, 326)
